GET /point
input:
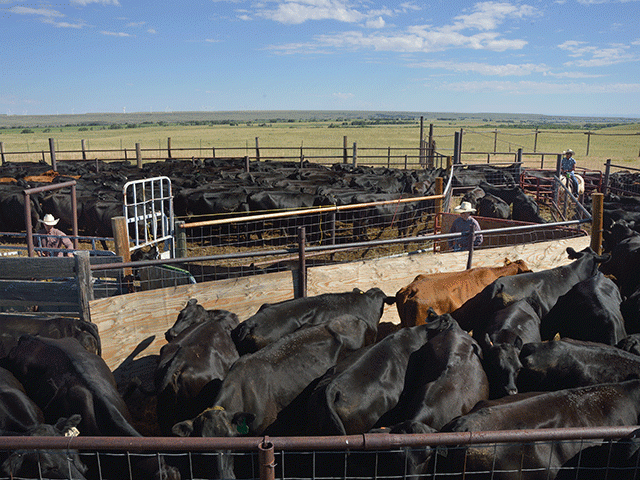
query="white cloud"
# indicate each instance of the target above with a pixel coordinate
(375, 23)
(486, 69)
(116, 34)
(343, 96)
(64, 24)
(84, 3)
(591, 56)
(485, 19)
(45, 12)
(135, 24)
(538, 88)
(299, 11)
(151, 30)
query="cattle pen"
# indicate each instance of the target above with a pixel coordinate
(133, 325)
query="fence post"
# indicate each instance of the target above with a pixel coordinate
(438, 201)
(267, 460)
(345, 154)
(302, 263)
(85, 287)
(388, 157)
(406, 160)
(74, 215)
(588, 143)
(181, 240)
(52, 151)
(472, 238)
(27, 223)
(535, 142)
(138, 155)
(169, 147)
(83, 145)
(597, 204)
(456, 148)
(422, 161)
(121, 240)
(257, 150)
(246, 163)
(2, 153)
(555, 185)
(519, 156)
(495, 140)
(355, 154)
(607, 171)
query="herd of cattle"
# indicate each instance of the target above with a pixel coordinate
(474, 351)
(215, 188)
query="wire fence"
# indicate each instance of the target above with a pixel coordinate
(570, 453)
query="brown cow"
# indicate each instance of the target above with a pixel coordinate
(447, 291)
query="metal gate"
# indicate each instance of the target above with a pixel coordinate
(148, 210)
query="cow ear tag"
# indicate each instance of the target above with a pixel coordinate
(242, 427)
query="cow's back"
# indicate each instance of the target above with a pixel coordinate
(446, 292)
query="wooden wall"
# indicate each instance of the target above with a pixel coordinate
(133, 325)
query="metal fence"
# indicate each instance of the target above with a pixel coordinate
(592, 453)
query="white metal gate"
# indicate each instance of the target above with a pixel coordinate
(148, 210)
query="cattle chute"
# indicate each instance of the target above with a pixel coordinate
(148, 210)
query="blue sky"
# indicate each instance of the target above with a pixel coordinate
(566, 57)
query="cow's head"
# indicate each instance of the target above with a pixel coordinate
(502, 365)
(191, 314)
(215, 422)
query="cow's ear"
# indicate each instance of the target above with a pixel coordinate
(12, 465)
(487, 340)
(389, 300)
(518, 342)
(243, 421)
(64, 425)
(183, 429)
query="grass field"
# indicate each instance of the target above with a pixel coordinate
(283, 133)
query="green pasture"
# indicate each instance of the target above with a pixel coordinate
(620, 143)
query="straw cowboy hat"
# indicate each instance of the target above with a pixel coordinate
(50, 220)
(464, 207)
(568, 150)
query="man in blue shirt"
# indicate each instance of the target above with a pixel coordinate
(568, 167)
(467, 224)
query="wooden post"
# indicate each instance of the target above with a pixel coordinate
(247, 163)
(588, 142)
(52, 151)
(597, 210)
(438, 201)
(74, 220)
(181, 240)
(85, 286)
(495, 140)
(535, 142)
(83, 145)
(456, 148)
(388, 157)
(345, 154)
(2, 153)
(519, 156)
(355, 154)
(431, 151)
(121, 239)
(406, 160)
(422, 159)
(302, 263)
(607, 171)
(257, 150)
(169, 147)
(28, 226)
(138, 155)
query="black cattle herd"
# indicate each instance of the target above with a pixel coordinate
(319, 366)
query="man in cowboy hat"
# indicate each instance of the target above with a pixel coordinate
(568, 167)
(53, 238)
(467, 224)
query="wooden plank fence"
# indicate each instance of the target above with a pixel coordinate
(136, 322)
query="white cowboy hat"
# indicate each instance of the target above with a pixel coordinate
(568, 150)
(50, 220)
(464, 207)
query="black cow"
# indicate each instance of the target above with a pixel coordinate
(624, 265)
(273, 321)
(20, 416)
(541, 289)
(259, 385)
(589, 311)
(354, 394)
(473, 196)
(493, 207)
(64, 379)
(432, 393)
(523, 207)
(630, 343)
(571, 363)
(12, 327)
(194, 313)
(200, 356)
(501, 340)
(569, 408)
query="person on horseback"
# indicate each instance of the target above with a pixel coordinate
(568, 168)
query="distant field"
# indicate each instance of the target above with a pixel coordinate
(617, 139)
